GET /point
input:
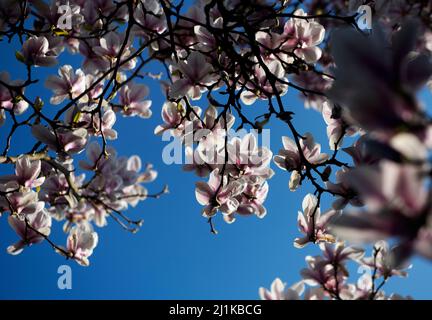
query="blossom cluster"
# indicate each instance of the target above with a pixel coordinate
(327, 277)
(236, 167)
(48, 185)
(226, 66)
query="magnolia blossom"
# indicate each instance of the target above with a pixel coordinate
(304, 36)
(320, 273)
(370, 99)
(67, 85)
(109, 48)
(245, 158)
(243, 55)
(132, 100)
(81, 242)
(27, 172)
(173, 115)
(265, 86)
(197, 74)
(100, 126)
(65, 140)
(206, 40)
(314, 82)
(336, 128)
(337, 254)
(289, 157)
(21, 202)
(12, 12)
(149, 15)
(384, 261)
(56, 189)
(93, 62)
(36, 51)
(218, 194)
(343, 190)
(212, 133)
(279, 291)
(118, 180)
(397, 205)
(8, 99)
(40, 227)
(312, 224)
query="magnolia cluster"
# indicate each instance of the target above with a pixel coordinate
(44, 189)
(193, 73)
(326, 276)
(384, 192)
(390, 176)
(233, 53)
(87, 97)
(237, 168)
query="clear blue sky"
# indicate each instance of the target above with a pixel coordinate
(174, 256)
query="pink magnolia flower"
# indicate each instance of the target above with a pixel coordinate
(360, 153)
(39, 221)
(304, 36)
(251, 92)
(336, 126)
(312, 224)
(81, 242)
(51, 15)
(206, 40)
(270, 45)
(396, 201)
(91, 10)
(97, 126)
(337, 254)
(25, 203)
(27, 172)
(56, 189)
(197, 74)
(319, 273)
(383, 260)
(94, 154)
(69, 141)
(344, 193)
(289, 157)
(8, 99)
(36, 51)
(371, 99)
(279, 291)
(211, 137)
(218, 194)
(149, 16)
(11, 12)
(131, 99)
(252, 199)
(246, 158)
(390, 186)
(110, 46)
(97, 90)
(93, 62)
(196, 163)
(67, 85)
(173, 115)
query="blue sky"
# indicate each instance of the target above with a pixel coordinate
(174, 256)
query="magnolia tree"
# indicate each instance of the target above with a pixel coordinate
(361, 64)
